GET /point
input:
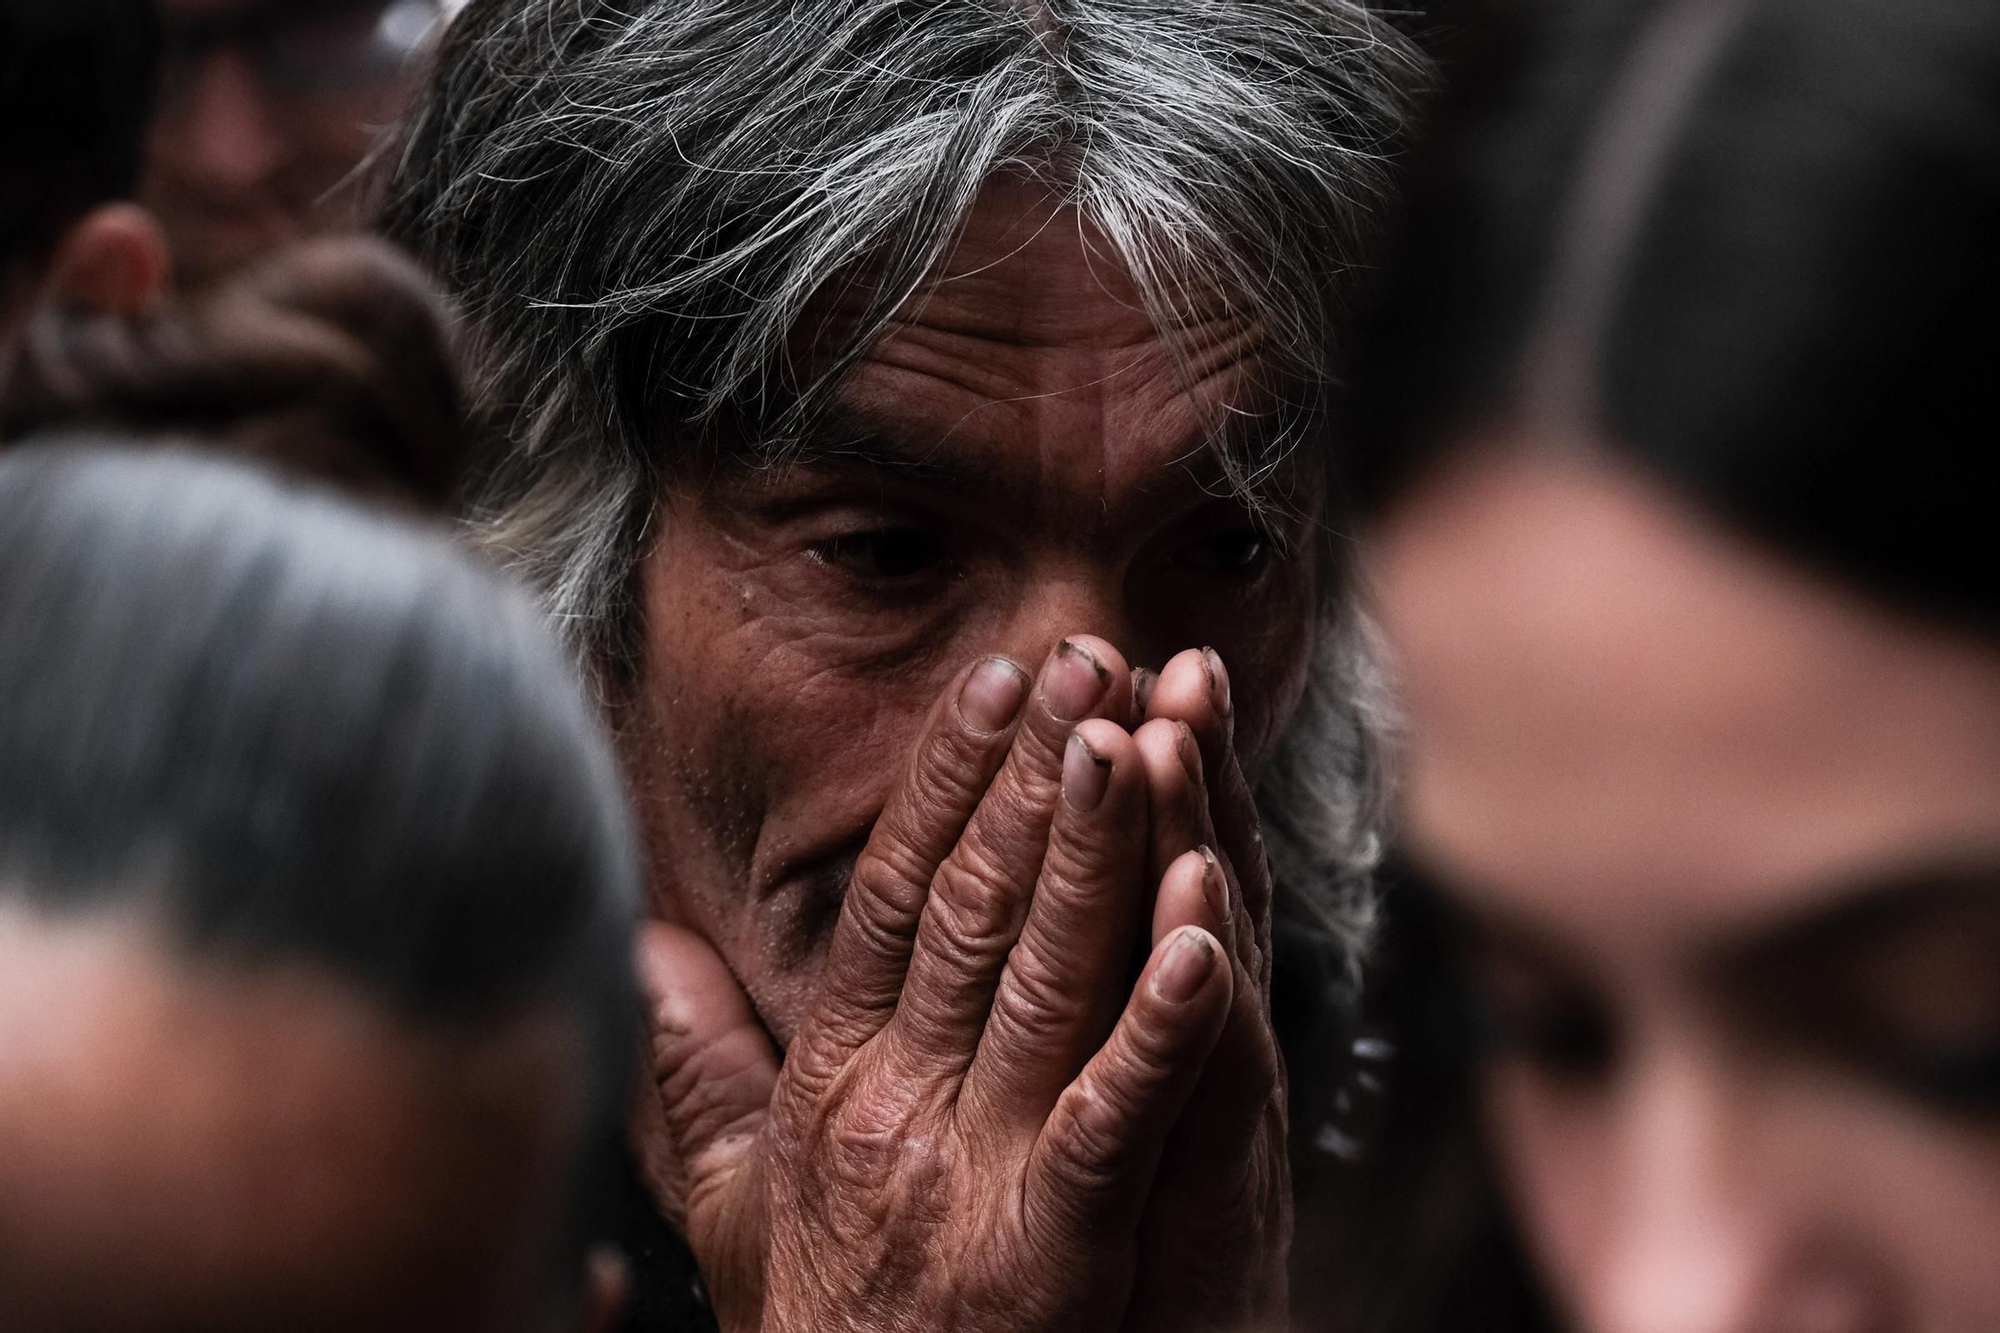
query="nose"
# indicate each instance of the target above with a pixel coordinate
(222, 131)
(1059, 603)
(1706, 1235)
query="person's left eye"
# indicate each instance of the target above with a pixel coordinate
(1241, 554)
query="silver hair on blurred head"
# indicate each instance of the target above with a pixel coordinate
(649, 206)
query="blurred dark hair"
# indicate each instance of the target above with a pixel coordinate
(76, 89)
(285, 729)
(1751, 247)
(335, 360)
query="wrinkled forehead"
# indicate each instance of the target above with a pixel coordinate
(260, 1147)
(1033, 344)
(1618, 707)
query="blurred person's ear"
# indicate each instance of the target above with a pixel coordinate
(606, 1280)
(112, 262)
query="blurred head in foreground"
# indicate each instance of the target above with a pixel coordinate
(76, 80)
(314, 912)
(1680, 399)
(267, 111)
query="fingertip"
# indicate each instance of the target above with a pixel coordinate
(992, 694)
(1107, 740)
(1158, 747)
(685, 983)
(1187, 963)
(1143, 681)
(1218, 683)
(1182, 691)
(1102, 653)
(1179, 901)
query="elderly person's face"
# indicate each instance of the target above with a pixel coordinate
(1727, 841)
(1027, 462)
(267, 109)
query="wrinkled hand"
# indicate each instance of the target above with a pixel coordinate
(965, 1135)
(1218, 1231)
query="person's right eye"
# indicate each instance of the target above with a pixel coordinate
(1571, 1040)
(1527, 1013)
(1962, 1080)
(882, 554)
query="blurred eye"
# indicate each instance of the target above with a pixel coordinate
(1239, 554)
(1523, 1011)
(1572, 1041)
(1900, 989)
(885, 554)
(1964, 1081)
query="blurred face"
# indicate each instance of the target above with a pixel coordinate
(1020, 460)
(267, 108)
(1726, 842)
(190, 1149)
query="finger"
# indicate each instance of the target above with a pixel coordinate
(980, 895)
(1180, 816)
(1195, 892)
(1143, 681)
(1092, 1167)
(713, 1072)
(1182, 824)
(1068, 975)
(962, 747)
(1194, 689)
(1224, 1173)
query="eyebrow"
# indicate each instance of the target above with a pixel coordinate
(1862, 906)
(852, 439)
(1875, 904)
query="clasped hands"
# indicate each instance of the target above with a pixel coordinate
(989, 1122)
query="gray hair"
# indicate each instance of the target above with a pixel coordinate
(641, 204)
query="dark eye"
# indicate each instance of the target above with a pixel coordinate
(1520, 1011)
(1239, 554)
(1570, 1041)
(882, 553)
(1962, 1081)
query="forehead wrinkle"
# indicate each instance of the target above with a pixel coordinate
(871, 427)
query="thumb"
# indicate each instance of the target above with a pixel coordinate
(713, 1071)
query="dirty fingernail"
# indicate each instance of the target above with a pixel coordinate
(1085, 775)
(1218, 681)
(1074, 682)
(1183, 971)
(1214, 884)
(1143, 681)
(993, 694)
(1188, 749)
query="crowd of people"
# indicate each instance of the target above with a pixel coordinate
(1045, 665)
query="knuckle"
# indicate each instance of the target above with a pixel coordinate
(1032, 999)
(885, 897)
(715, 1091)
(973, 901)
(1075, 858)
(864, 1154)
(1151, 1047)
(1093, 1149)
(947, 772)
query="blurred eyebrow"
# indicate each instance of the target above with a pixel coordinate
(1869, 907)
